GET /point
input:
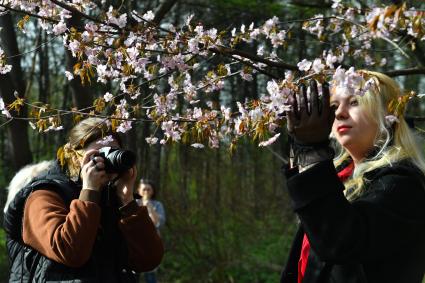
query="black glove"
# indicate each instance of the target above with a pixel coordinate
(309, 127)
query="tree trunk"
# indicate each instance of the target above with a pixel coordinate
(82, 95)
(9, 83)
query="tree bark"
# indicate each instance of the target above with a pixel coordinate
(82, 95)
(163, 9)
(17, 130)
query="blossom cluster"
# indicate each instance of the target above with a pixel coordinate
(160, 71)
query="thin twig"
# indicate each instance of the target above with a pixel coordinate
(35, 49)
(7, 122)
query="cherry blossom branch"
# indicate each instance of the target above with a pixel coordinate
(230, 51)
(79, 13)
(29, 14)
(256, 68)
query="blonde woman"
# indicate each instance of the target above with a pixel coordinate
(79, 222)
(362, 219)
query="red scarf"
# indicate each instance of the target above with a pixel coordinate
(343, 175)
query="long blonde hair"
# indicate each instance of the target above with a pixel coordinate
(392, 143)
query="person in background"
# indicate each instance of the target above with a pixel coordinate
(147, 193)
(362, 214)
(79, 222)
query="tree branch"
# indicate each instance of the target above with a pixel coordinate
(230, 51)
(28, 13)
(310, 5)
(406, 72)
(165, 7)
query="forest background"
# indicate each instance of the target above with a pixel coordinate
(229, 218)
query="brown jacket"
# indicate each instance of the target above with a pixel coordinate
(67, 234)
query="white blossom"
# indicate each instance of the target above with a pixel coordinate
(197, 145)
(108, 96)
(69, 75)
(148, 16)
(304, 65)
(269, 141)
(151, 140)
(318, 66)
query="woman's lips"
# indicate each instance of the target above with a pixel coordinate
(342, 129)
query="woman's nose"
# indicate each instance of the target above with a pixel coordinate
(341, 112)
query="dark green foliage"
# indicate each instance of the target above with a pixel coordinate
(4, 263)
(230, 222)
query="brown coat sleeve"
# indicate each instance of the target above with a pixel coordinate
(144, 244)
(63, 234)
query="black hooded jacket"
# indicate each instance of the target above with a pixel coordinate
(379, 237)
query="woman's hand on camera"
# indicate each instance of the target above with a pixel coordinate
(92, 173)
(125, 185)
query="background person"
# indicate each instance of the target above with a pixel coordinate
(147, 191)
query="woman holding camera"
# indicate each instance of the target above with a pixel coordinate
(80, 221)
(362, 219)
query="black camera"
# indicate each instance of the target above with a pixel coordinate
(117, 160)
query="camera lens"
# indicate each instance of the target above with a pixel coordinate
(119, 161)
(124, 159)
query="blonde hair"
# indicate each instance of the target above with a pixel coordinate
(392, 143)
(80, 136)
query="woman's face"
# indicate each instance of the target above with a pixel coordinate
(353, 127)
(145, 191)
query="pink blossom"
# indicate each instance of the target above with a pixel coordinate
(91, 27)
(74, 47)
(120, 21)
(246, 76)
(59, 28)
(106, 140)
(124, 127)
(171, 130)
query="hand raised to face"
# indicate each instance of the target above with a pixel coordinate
(92, 173)
(310, 119)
